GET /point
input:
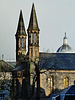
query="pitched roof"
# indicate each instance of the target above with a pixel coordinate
(69, 91)
(11, 63)
(21, 27)
(58, 61)
(22, 66)
(4, 66)
(33, 24)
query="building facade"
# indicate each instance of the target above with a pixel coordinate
(57, 70)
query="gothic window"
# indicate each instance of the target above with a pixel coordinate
(22, 42)
(66, 82)
(34, 37)
(19, 42)
(31, 37)
(50, 84)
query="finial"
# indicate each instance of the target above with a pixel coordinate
(20, 11)
(65, 34)
(65, 40)
(65, 37)
(33, 4)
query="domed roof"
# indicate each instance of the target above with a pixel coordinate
(65, 48)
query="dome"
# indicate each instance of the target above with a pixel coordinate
(65, 48)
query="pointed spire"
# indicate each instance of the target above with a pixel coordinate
(33, 24)
(21, 27)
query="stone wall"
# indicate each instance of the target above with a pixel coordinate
(58, 77)
(5, 75)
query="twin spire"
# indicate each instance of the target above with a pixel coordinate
(21, 27)
(33, 24)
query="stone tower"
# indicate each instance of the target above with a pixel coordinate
(33, 36)
(20, 38)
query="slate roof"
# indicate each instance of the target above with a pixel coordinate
(19, 68)
(12, 63)
(22, 66)
(57, 61)
(67, 91)
(53, 61)
(4, 66)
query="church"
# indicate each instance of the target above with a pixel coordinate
(56, 70)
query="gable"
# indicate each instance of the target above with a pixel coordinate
(4, 66)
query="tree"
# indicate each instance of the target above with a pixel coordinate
(35, 73)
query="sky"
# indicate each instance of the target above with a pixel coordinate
(55, 17)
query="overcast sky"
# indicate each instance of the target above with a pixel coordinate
(55, 17)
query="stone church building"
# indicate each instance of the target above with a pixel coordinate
(57, 70)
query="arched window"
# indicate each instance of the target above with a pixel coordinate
(22, 42)
(50, 84)
(31, 38)
(19, 42)
(34, 37)
(66, 82)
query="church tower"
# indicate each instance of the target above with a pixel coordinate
(33, 36)
(20, 38)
